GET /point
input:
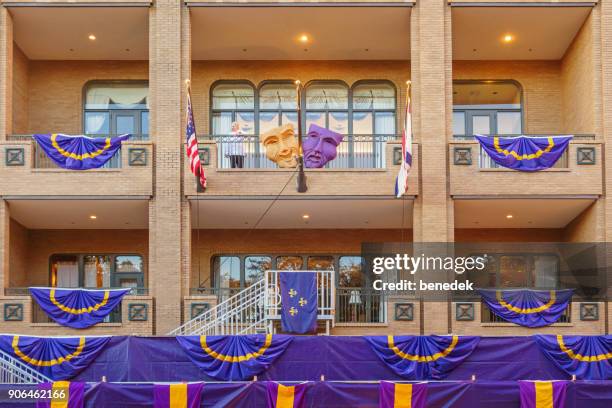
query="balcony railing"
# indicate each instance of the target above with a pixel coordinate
(356, 151)
(360, 305)
(41, 161)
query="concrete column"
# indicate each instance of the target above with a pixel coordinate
(6, 72)
(431, 72)
(166, 210)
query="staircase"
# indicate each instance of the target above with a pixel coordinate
(13, 371)
(242, 313)
(256, 309)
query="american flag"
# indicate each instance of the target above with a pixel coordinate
(192, 145)
(401, 182)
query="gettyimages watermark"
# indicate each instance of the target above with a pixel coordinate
(437, 271)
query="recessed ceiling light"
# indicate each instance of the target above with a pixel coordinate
(304, 38)
(508, 38)
(92, 37)
(305, 216)
(93, 217)
(509, 216)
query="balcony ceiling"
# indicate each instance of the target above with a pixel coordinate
(526, 213)
(272, 33)
(61, 33)
(236, 213)
(540, 33)
(74, 214)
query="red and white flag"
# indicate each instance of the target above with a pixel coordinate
(401, 182)
(192, 145)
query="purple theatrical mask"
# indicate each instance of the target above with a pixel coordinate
(320, 147)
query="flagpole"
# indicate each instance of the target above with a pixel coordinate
(301, 178)
(188, 86)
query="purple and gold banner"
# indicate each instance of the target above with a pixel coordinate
(79, 152)
(179, 395)
(285, 396)
(543, 394)
(298, 302)
(59, 358)
(234, 358)
(400, 395)
(62, 394)
(526, 307)
(586, 357)
(525, 153)
(77, 308)
(423, 357)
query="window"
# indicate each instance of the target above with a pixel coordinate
(374, 109)
(350, 272)
(96, 271)
(233, 102)
(327, 105)
(487, 107)
(289, 263)
(226, 272)
(115, 108)
(277, 106)
(320, 263)
(255, 268)
(518, 271)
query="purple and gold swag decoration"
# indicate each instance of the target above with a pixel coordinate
(526, 307)
(320, 147)
(234, 358)
(586, 357)
(543, 394)
(77, 308)
(285, 396)
(62, 394)
(298, 302)
(79, 152)
(525, 153)
(401, 395)
(423, 357)
(58, 358)
(177, 395)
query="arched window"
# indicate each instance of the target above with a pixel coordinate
(233, 102)
(374, 109)
(487, 108)
(277, 105)
(327, 105)
(115, 108)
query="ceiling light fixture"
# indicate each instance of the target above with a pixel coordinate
(93, 217)
(508, 38)
(304, 38)
(92, 37)
(305, 216)
(509, 216)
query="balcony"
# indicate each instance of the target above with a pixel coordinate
(27, 171)
(23, 315)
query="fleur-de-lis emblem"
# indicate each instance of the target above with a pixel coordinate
(293, 311)
(292, 292)
(303, 302)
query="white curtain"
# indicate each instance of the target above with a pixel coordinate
(67, 274)
(124, 95)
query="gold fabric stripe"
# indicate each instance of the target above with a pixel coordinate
(81, 310)
(422, 359)
(79, 156)
(403, 396)
(543, 394)
(579, 357)
(502, 302)
(235, 359)
(540, 152)
(285, 396)
(46, 363)
(57, 388)
(178, 396)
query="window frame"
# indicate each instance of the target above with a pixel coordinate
(138, 125)
(234, 111)
(280, 111)
(373, 111)
(470, 110)
(326, 111)
(530, 273)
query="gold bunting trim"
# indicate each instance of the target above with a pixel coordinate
(540, 152)
(419, 358)
(502, 302)
(574, 356)
(47, 363)
(75, 156)
(236, 359)
(82, 310)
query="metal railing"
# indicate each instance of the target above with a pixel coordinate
(40, 160)
(487, 315)
(13, 371)
(360, 305)
(356, 151)
(242, 313)
(326, 299)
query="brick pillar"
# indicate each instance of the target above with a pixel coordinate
(6, 72)
(431, 72)
(4, 245)
(166, 82)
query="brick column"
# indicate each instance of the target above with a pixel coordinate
(4, 245)
(166, 82)
(6, 72)
(431, 72)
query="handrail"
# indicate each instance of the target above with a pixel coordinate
(13, 371)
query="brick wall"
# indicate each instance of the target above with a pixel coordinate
(21, 67)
